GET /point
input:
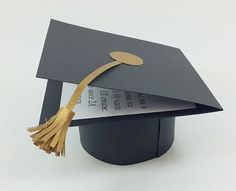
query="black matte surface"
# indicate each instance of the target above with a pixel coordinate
(71, 52)
(128, 141)
(166, 134)
(52, 99)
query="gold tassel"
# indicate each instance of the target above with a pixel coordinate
(51, 135)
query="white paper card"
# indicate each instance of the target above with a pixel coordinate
(100, 102)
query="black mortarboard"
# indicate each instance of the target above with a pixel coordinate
(72, 52)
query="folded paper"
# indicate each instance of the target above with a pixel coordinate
(98, 102)
(127, 114)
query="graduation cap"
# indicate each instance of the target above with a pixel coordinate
(127, 93)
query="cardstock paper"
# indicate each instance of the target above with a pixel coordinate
(98, 102)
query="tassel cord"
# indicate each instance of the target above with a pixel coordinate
(81, 86)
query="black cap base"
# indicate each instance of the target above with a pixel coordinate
(128, 142)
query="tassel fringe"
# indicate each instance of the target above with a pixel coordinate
(51, 135)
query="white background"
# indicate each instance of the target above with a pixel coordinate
(203, 156)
